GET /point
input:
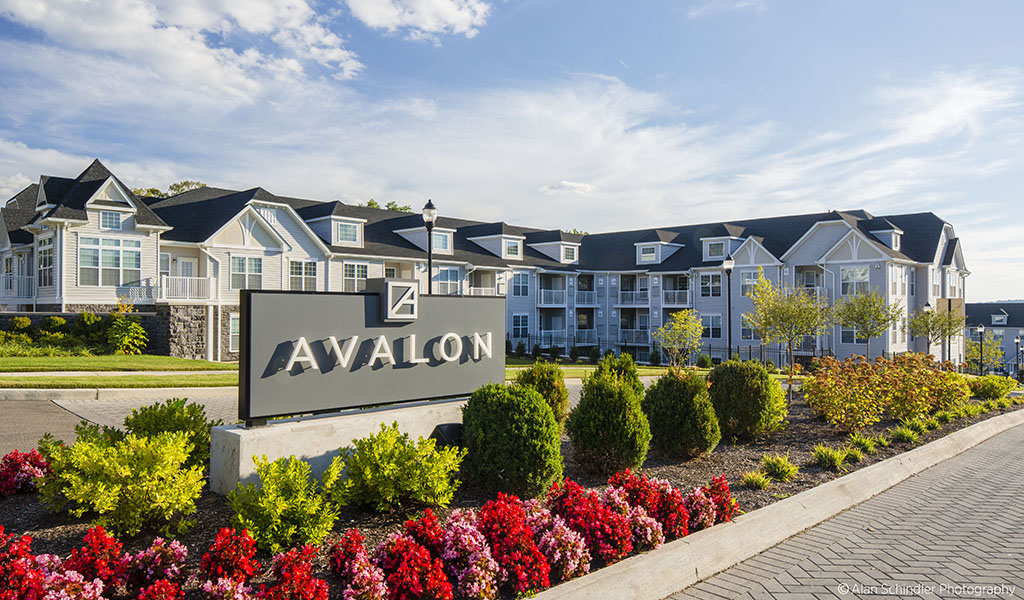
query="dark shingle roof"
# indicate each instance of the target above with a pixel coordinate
(980, 313)
(951, 247)
(70, 196)
(922, 232)
(18, 212)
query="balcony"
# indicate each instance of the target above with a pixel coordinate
(482, 291)
(551, 298)
(586, 337)
(551, 337)
(634, 336)
(185, 288)
(634, 298)
(676, 297)
(17, 287)
(586, 297)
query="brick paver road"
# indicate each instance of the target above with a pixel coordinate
(954, 531)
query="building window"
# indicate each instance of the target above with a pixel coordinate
(712, 326)
(569, 254)
(302, 275)
(348, 233)
(520, 326)
(648, 253)
(710, 286)
(911, 281)
(246, 273)
(110, 220)
(937, 283)
(849, 335)
(748, 279)
(951, 284)
(442, 242)
(716, 249)
(512, 248)
(234, 331)
(746, 331)
(355, 277)
(854, 280)
(390, 273)
(521, 285)
(999, 319)
(108, 262)
(45, 254)
(165, 264)
(895, 241)
(269, 214)
(448, 281)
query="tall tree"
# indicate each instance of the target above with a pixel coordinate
(935, 326)
(151, 192)
(175, 188)
(680, 336)
(577, 231)
(392, 205)
(371, 203)
(993, 357)
(784, 314)
(869, 314)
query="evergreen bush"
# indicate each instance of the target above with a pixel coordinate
(704, 361)
(747, 401)
(608, 428)
(681, 416)
(622, 367)
(176, 414)
(547, 379)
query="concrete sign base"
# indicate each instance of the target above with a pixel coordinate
(316, 440)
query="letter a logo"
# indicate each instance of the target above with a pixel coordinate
(402, 301)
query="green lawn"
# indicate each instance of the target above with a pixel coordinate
(143, 362)
(122, 381)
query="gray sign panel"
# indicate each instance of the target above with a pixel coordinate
(314, 352)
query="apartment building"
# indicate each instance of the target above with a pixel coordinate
(75, 244)
(1003, 324)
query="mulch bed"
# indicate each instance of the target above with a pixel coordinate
(60, 533)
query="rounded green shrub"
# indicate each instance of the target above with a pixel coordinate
(547, 379)
(704, 361)
(126, 335)
(89, 329)
(20, 325)
(176, 414)
(747, 401)
(574, 353)
(623, 368)
(520, 350)
(594, 354)
(512, 439)
(681, 416)
(608, 428)
(992, 387)
(54, 324)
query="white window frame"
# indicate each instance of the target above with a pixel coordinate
(234, 331)
(748, 279)
(855, 283)
(999, 319)
(451, 287)
(708, 324)
(911, 281)
(354, 278)
(160, 264)
(713, 254)
(248, 272)
(568, 254)
(306, 277)
(852, 331)
(393, 270)
(513, 249)
(341, 241)
(45, 273)
(937, 283)
(445, 248)
(747, 332)
(523, 327)
(124, 248)
(651, 257)
(104, 214)
(523, 285)
(710, 286)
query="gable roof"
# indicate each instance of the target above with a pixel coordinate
(69, 196)
(18, 212)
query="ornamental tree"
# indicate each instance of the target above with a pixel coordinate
(869, 314)
(993, 354)
(680, 336)
(935, 326)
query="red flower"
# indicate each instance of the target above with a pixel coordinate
(294, 572)
(426, 531)
(231, 556)
(725, 506)
(656, 496)
(20, 577)
(409, 571)
(606, 532)
(523, 565)
(100, 558)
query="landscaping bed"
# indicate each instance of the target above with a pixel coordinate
(60, 533)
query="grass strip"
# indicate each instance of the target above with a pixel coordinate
(144, 362)
(121, 381)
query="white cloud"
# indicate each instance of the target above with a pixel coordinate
(422, 19)
(714, 7)
(569, 187)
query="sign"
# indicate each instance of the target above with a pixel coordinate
(304, 352)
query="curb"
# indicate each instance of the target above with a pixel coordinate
(110, 394)
(683, 562)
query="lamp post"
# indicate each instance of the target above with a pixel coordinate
(728, 264)
(429, 216)
(927, 308)
(1016, 368)
(981, 350)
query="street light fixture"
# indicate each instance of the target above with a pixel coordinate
(1016, 341)
(981, 350)
(728, 265)
(429, 217)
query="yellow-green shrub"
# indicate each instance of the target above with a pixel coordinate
(992, 387)
(846, 394)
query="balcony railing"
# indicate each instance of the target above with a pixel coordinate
(676, 297)
(631, 297)
(17, 287)
(586, 297)
(551, 297)
(482, 291)
(551, 337)
(185, 288)
(586, 336)
(818, 293)
(634, 336)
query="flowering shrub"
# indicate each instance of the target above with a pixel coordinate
(18, 570)
(19, 470)
(658, 498)
(49, 563)
(161, 561)
(226, 589)
(467, 558)
(70, 585)
(606, 532)
(701, 509)
(503, 524)
(161, 589)
(350, 560)
(293, 571)
(231, 556)
(647, 531)
(100, 558)
(409, 571)
(565, 550)
(847, 394)
(725, 507)
(426, 531)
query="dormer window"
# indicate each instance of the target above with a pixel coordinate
(348, 234)
(896, 241)
(568, 254)
(999, 319)
(716, 249)
(648, 254)
(110, 220)
(512, 248)
(442, 242)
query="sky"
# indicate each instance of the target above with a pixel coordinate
(591, 114)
